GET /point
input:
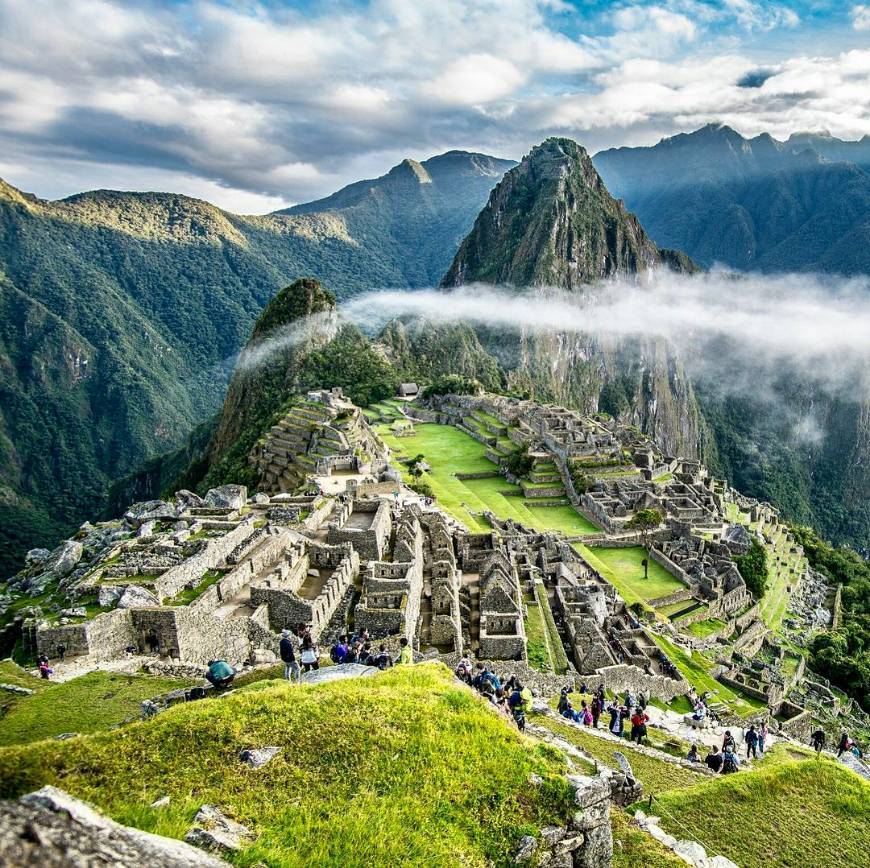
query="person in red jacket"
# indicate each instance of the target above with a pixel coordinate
(638, 725)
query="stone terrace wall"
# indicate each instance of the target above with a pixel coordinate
(192, 569)
(368, 543)
(103, 637)
(623, 677)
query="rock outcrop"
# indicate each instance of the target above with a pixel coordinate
(52, 829)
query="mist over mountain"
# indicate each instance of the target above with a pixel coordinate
(122, 313)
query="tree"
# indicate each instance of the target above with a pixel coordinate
(645, 521)
(753, 568)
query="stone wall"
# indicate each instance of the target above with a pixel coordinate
(623, 677)
(103, 637)
(369, 543)
(213, 555)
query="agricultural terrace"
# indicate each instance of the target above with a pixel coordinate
(623, 568)
(449, 451)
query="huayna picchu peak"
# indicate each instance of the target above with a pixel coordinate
(551, 222)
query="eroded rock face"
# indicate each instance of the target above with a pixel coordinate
(51, 829)
(136, 596)
(216, 832)
(150, 510)
(227, 497)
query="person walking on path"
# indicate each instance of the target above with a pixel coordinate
(308, 655)
(752, 743)
(817, 739)
(287, 651)
(638, 725)
(844, 744)
(762, 737)
(595, 708)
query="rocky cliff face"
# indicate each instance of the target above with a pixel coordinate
(552, 223)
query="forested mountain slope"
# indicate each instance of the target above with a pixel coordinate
(123, 312)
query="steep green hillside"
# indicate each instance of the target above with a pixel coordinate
(755, 204)
(405, 767)
(120, 314)
(552, 223)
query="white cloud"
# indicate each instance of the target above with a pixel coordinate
(289, 105)
(478, 78)
(861, 17)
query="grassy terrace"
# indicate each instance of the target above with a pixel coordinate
(544, 643)
(85, 704)
(703, 629)
(696, 670)
(404, 768)
(656, 775)
(785, 814)
(449, 451)
(622, 567)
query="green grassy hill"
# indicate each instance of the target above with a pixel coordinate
(406, 767)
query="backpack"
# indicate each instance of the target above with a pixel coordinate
(728, 764)
(334, 656)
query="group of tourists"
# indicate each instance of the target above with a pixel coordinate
(511, 697)
(844, 745)
(629, 714)
(727, 761)
(299, 652)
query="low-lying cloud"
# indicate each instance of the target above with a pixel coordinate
(821, 326)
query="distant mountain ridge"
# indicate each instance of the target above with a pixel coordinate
(120, 312)
(752, 204)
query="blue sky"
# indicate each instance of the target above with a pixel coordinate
(257, 105)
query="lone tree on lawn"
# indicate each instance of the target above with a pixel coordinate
(645, 521)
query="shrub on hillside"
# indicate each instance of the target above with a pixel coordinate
(753, 568)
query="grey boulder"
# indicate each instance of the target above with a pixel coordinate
(135, 597)
(227, 497)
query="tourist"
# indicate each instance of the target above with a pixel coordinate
(564, 701)
(365, 654)
(844, 743)
(518, 702)
(308, 652)
(220, 674)
(45, 671)
(692, 755)
(728, 741)
(585, 714)
(751, 738)
(464, 670)
(629, 700)
(61, 652)
(642, 700)
(406, 653)
(287, 651)
(714, 759)
(569, 712)
(602, 702)
(638, 725)
(382, 660)
(730, 762)
(352, 655)
(700, 710)
(595, 708)
(613, 711)
(762, 736)
(339, 651)
(817, 740)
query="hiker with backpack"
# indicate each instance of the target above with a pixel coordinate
(751, 743)
(595, 710)
(339, 651)
(728, 741)
(518, 702)
(692, 755)
(287, 651)
(382, 660)
(844, 744)
(730, 762)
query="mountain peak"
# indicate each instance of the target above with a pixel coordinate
(551, 222)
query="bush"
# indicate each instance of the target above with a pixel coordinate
(519, 463)
(453, 384)
(753, 568)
